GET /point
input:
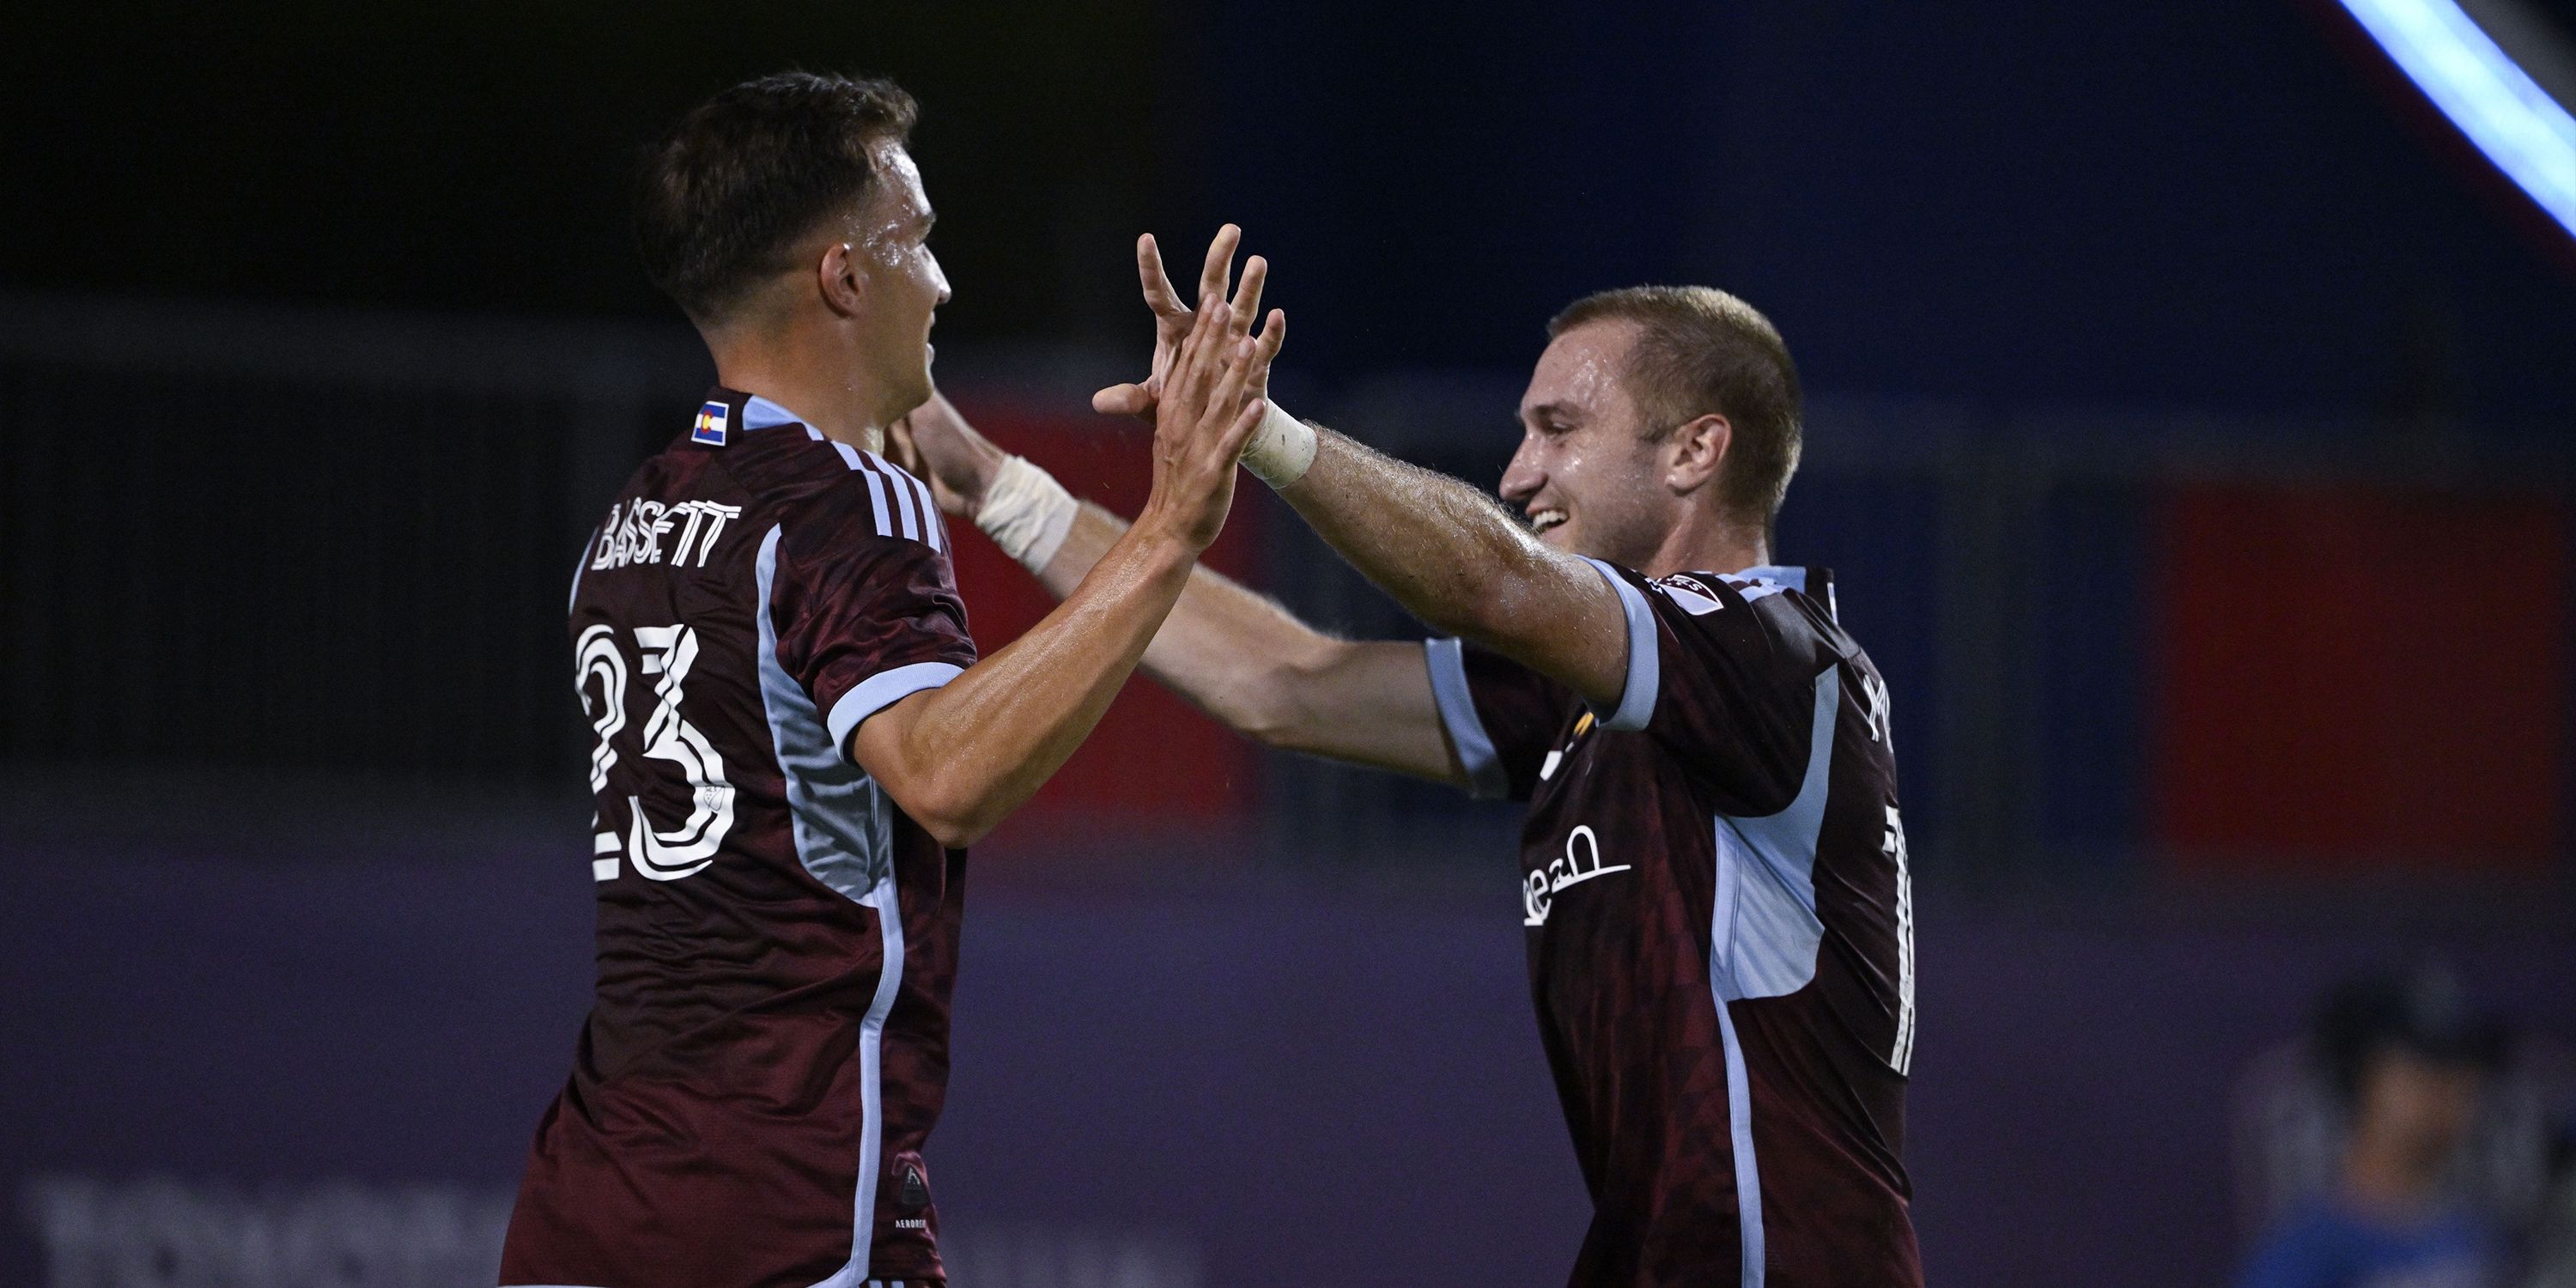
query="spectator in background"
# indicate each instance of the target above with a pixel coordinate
(2553, 1244)
(2409, 1060)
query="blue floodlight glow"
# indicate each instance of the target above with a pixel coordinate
(2527, 134)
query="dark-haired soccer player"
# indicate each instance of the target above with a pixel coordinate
(795, 738)
(1713, 873)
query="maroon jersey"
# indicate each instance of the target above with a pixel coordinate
(1720, 932)
(768, 1046)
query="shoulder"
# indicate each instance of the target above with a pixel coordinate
(1785, 613)
(830, 495)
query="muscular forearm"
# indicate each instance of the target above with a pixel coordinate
(1253, 666)
(1447, 552)
(1223, 647)
(960, 758)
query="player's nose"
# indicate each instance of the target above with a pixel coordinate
(1522, 478)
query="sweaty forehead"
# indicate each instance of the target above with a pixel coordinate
(898, 201)
(1580, 373)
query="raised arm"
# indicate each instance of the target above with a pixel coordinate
(1453, 556)
(961, 757)
(1443, 549)
(1236, 654)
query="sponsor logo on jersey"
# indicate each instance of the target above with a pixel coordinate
(711, 424)
(1580, 863)
(1690, 594)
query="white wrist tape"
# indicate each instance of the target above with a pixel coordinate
(1026, 512)
(1280, 449)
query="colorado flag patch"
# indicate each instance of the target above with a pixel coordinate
(711, 424)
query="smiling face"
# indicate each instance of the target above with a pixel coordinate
(899, 283)
(1586, 476)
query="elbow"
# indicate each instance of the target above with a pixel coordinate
(1275, 707)
(953, 818)
(963, 825)
(953, 833)
(1271, 720)
(1301, 702)
(957, 830)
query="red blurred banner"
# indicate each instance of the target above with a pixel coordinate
(2357, 680)
(1155, 764)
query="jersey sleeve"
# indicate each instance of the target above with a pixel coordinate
(1501, 717)
(864, 619)
(1724, 676)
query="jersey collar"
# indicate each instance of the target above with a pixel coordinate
(1814, 583)
(760, 413)
(751, 411)
(1793, 578)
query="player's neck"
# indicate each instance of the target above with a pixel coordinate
(1703, 542)
(816, 387)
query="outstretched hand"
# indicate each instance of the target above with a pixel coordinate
(1204, 414)
(1174, 319)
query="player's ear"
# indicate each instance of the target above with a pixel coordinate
(836, 277)
(1695, 452)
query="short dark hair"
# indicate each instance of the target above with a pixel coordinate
(1698, 351)
(723, 200)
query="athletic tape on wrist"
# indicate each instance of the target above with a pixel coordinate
(1281, 449)
(1027, 513)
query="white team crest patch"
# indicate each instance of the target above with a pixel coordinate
(1691, 594)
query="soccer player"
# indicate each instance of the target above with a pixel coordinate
(796, 740)
(1713, 872)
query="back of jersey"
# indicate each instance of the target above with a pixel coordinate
(776, 940)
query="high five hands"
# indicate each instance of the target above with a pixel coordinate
(1173, 320)
(1205, 391)
(937, 444)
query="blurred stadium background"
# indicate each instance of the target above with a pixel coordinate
(2192, 430)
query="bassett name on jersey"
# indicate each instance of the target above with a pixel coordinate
(635, 536)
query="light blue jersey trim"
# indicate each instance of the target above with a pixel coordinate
(1447, 659)
(760, 413)
(1748, 1170)
(884, 689)
(889, 909)
(1791, 578)
(1763, 943)
(578, 568)
(1763, 937)
(1637, 699)
(844, 831)
(843, 822)
(1767, 580)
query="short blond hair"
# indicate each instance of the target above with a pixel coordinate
(1700, 350)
